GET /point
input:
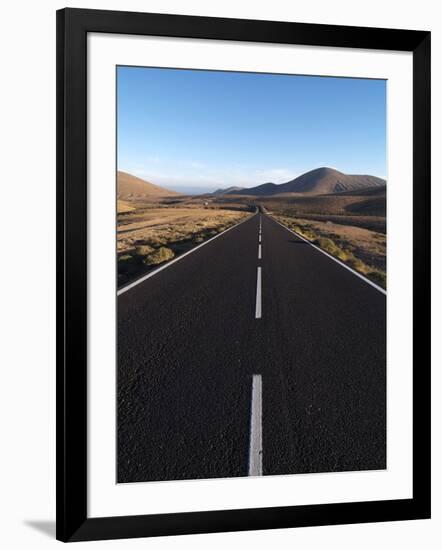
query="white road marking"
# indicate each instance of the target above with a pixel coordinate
(259, 252)
(164, 266)
(255, 451)
(374, 285)
(258, 295)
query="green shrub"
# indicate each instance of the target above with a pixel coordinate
(303, 231)
(332, 248)
(159, 256)
(156, 241)
(378, 277)
(357, 264)
(327, 244)
(125, 258)
(143, 250)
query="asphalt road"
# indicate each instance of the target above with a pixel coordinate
(223, 372)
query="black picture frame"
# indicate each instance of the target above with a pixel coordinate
(73, 25)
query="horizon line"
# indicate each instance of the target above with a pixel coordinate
(224, 185)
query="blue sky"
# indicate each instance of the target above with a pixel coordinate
(199, 130)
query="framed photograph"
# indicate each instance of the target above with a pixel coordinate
(243, 298)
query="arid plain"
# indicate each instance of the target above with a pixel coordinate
(345, 215)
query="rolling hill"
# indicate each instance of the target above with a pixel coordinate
(132, 188)
(320, 181)
(227, 190)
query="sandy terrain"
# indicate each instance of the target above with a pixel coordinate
(150, 236)
(171, 225)
(130, 187)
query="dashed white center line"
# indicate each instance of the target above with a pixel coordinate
(258, 295)
(255, 452)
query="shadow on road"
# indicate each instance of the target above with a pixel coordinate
(293, 241)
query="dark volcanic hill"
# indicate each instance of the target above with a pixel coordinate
(327, 180)
(227, 190)
(263, 189)
(320, 181)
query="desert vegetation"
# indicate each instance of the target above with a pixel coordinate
(156, 225)
(150, 235)
(362, 249)
(347, 221)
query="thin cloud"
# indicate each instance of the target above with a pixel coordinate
(198, 174)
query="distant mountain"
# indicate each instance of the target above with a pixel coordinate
(261, 190)
(227, 190)
(320, 181)
(130, 188)
(327, 180)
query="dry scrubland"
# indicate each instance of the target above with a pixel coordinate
(362, 249)
(151, 234)
(350, 226)
(155, 225)
(365, 208)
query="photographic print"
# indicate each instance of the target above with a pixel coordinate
(251, 274)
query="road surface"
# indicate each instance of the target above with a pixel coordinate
(254, 355)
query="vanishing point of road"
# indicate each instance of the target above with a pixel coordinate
(255, 354)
